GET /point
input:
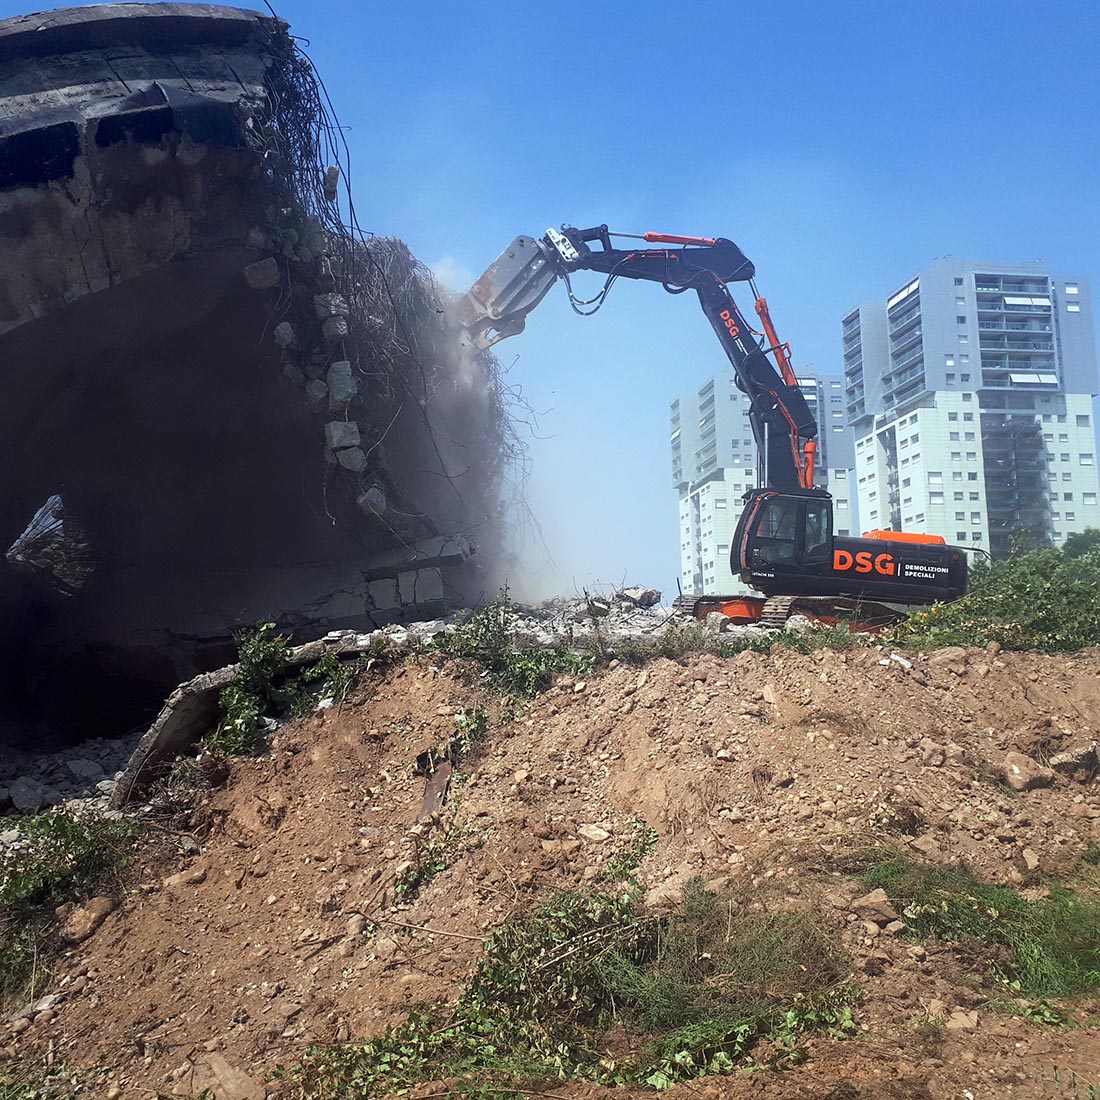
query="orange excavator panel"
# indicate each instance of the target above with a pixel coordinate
(905, 536)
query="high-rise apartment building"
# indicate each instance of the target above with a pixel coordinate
(970, 394)
(714, 465)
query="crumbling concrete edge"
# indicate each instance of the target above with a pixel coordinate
(190, 712)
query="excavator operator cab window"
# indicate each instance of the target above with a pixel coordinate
(792, 533)
(817, 531)
(777, 530)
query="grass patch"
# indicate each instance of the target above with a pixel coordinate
(1047, 600)
(39, 1083)
(1050, 946)
(60, 858)
(695, 993)
(487, 637)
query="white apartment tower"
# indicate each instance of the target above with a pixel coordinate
(714, 465)
(970, 394)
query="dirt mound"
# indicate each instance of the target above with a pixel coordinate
(327, 888)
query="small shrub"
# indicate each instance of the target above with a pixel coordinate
(1052, 944)
(260, 688)
(487, 637)
(1047, 600)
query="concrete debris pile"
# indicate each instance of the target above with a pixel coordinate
(30, 782)
(762, 774)
(243, 405)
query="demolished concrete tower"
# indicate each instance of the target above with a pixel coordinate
(221, 404)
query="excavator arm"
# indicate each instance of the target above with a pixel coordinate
(496, 307)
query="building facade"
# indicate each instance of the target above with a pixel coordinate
(714, 465)
(969, 390)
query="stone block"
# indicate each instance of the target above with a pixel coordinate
(342, 385)
(406, 584)
(373, 501)
(352, 458)
(316, 395)
(263, 274)
(384, 595)
(330, 305)
(341, 433)
(429, 585)
(256, 238)
(335, 329)
(294, 373)
(284, 335)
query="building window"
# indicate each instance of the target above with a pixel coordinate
(969, 436)
(1083, 420)
(935, 477)
(971, 476)
(956, 496)
(1071, 288)
(958, 281)
(1088, 498)
(953, 436)
(1063, 437)
(953, 416)
(975, 536)
(719, 503)
(1073, 307)
(950, 379)
(960, 320)
(935, 498)
(975, 517)
(968, 416)
(948, 360)
(960, 536)
(973, 496)
(1086, 460)
(957, 475)
(968, 397)
(1070, 517)
(964, 377)
(956, 456)
(1064, 457)
(960, 516)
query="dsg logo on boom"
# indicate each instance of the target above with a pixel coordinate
(730, 323)
(863, 562)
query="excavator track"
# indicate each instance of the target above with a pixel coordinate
(777, 610)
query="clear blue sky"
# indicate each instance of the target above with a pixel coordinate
(842, 144)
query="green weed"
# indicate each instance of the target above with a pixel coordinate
(695, 993)
(40, 1083)
(643, 841)
(487, 637)
(1051, 945)
(260, 688)
(59, 859)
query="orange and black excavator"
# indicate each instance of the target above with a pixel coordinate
(784, 546)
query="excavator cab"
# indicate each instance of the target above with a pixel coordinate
(783, 535)
(785, 544)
